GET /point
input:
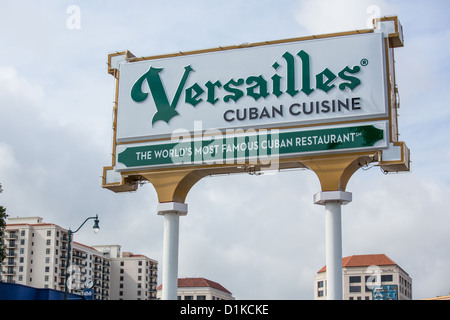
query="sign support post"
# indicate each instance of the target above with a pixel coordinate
(334, 174)
(171, 212)
(332, 200)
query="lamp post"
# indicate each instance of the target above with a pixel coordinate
(96, 227)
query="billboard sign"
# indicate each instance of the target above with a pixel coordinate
(385, 292)
(277, 85)
(240, 105)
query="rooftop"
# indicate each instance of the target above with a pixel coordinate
(364, 260)
(198, 282)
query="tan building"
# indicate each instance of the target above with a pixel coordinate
(364, 273)
(88, 264)
(36, 253)
(200, 289)
(36, 256)
(133, 277)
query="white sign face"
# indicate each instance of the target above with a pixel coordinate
(319, 81)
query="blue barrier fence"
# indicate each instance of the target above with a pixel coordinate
(14, 291)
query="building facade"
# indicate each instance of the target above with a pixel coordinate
(36, 253)
(36, 256)
(368, 277)
(89, 267)
(134, 277)
(200, 289)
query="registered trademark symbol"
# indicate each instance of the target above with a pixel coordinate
(364, 62)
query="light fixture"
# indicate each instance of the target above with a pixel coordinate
(96, 227)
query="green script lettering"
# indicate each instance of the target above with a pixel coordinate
(256, 86)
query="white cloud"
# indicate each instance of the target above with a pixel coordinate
(329, 16)
(8, 164)
(17, 88)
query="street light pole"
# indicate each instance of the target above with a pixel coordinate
(96, 227)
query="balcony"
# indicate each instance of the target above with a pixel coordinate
(11, 244)
(9, 272)
(11, 253)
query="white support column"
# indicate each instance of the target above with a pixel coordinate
(333, 238)
(171, 212)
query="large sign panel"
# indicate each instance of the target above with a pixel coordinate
(272, 86)
(256, 103)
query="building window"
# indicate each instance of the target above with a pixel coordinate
(386, 277)
(320, 284)
(355, 279)
(201, 297)
(188, 298)
(355, 288)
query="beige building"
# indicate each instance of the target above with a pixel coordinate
(134, 277)
(36, 253)
(368, 276)
(36, 256)
(199, 289)
(90, 265)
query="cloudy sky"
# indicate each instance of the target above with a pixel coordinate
(259, 236)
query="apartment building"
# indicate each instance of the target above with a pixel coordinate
(36, 253)
(368, 277)
(36, 256)
(200, 289)
(134, 277)
(89, 269)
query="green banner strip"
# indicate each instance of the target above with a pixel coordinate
(262, 144)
